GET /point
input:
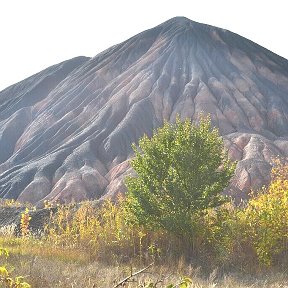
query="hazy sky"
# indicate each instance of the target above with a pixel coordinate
(35, 34)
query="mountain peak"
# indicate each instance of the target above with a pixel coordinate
(181, 26)
(181, 21)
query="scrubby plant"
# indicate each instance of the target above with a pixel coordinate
(7, 230)
(181, 172)
(266, 216)
(13, 203)
(103, 231)
(24, 222)
(259, 227)
(6, 280)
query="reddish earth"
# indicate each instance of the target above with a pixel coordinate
(66, 132)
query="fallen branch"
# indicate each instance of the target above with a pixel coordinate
(125, 280)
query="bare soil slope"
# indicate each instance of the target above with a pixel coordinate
(66, 132)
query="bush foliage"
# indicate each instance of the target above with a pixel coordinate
(266, 216)
(181, 172)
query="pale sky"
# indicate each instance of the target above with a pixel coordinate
(35, 34)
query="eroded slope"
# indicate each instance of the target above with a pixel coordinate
(74, 141)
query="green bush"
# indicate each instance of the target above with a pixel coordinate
(181, 171)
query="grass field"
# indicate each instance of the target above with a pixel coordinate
(64, 269)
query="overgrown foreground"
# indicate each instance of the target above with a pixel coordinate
(99, 247)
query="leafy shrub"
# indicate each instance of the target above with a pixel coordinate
(258, 228)
(266, 216)
(103, 231)
(181, 172)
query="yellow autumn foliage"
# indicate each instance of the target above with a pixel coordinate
(103, 231)
(266, 216)
(256, 230)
